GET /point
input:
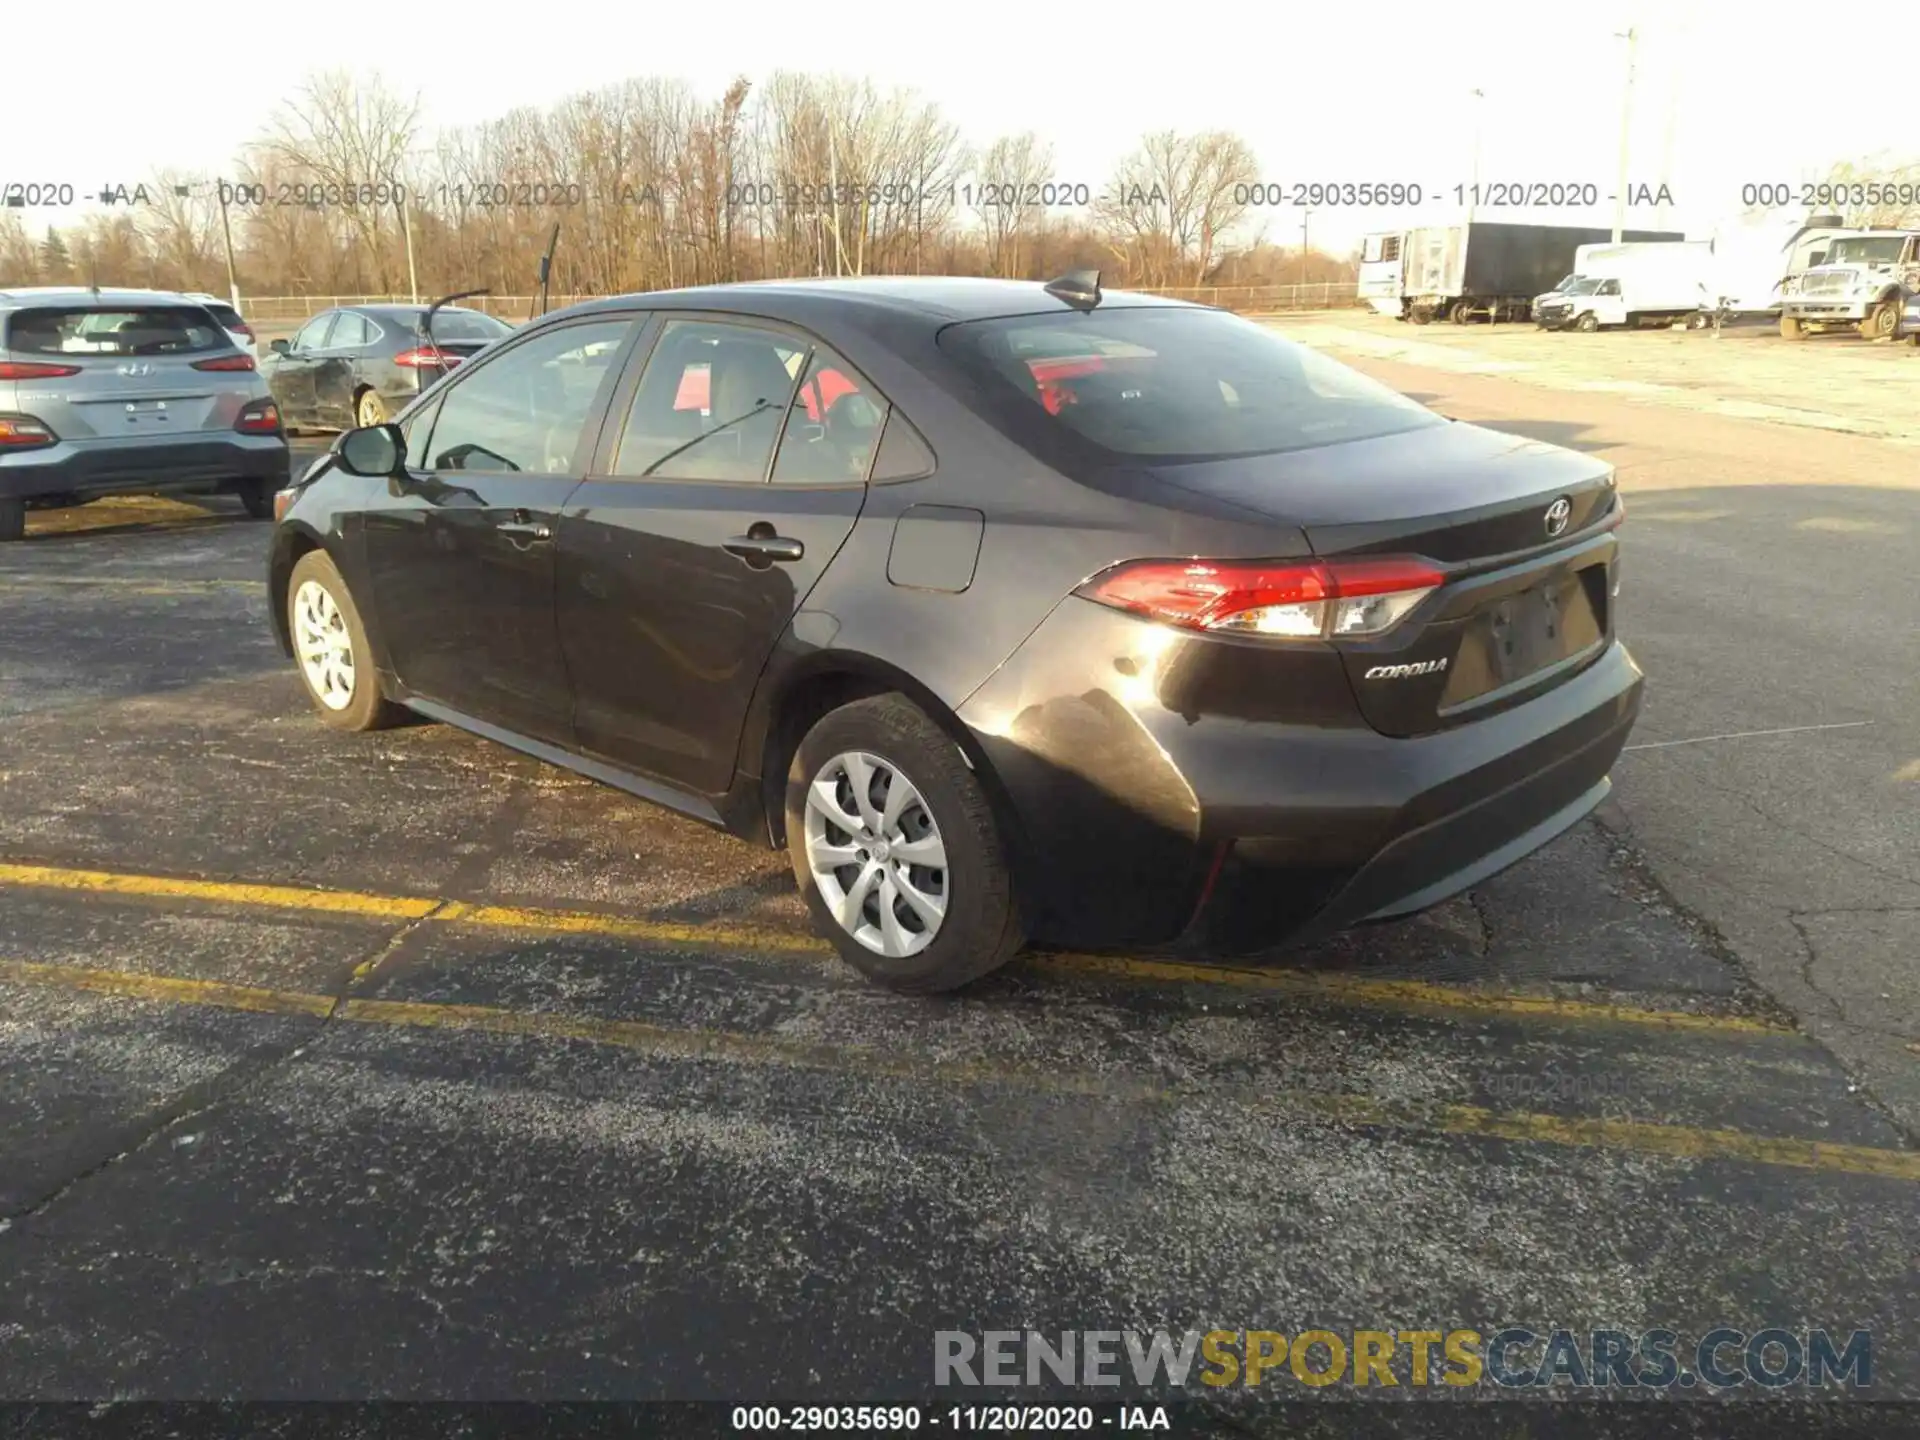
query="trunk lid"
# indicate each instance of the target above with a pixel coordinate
(1523, 529)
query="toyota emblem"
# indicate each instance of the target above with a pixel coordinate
(1558, 514)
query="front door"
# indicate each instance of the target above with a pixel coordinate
(736, 471)
(461, 550)
(290, 372)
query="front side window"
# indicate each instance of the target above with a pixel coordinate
(1175, 384)
(313, 334)
(833, 426)
(711, 403)
(527, 409)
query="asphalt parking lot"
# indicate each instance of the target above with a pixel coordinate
(401, 1065)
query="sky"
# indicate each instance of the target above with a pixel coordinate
(1330, 93)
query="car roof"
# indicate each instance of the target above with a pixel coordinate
(944, 299)
(105, 297)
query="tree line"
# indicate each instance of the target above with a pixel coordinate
(651, 185)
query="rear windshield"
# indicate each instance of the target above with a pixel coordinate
(145, 330)
(1179, 384)
(468, 325)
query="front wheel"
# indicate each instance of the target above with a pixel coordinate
(330, 642)
(1587, 323)
(1880, 322)
(1791, 328)
(896, 849)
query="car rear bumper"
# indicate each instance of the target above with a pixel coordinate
(1242, 820)
(199, 462)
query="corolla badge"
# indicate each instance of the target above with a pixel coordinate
(1415, 667)
(1558, 514)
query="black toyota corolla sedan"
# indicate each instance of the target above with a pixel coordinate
(1012, 612)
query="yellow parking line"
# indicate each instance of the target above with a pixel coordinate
(1353, 990)
(170, 989)
(1414, 994)
(742, 1048)
(277, 897)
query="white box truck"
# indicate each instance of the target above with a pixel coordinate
(1630, 284)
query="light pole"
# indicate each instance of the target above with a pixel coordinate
(226, 234)
(1631, 36)
(1479, 130)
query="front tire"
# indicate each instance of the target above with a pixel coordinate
(330, 645)
(1791, 328)
(1881, 322)
(1587, 323)
(895, 847)
(13, 520)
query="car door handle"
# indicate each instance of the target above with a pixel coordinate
(765, 547)
(532, 530)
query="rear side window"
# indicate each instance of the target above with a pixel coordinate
(468, 325)
(1175, 384)
(227, 316)
(144, 330)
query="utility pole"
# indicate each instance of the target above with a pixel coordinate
(1305, 214)
(1632, 37)
(226, 233)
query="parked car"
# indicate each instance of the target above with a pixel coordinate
(113, 392)
(1910, 318)
(231, 320)
(950, 640)
(359, 364)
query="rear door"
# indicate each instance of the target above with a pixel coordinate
(461, 551)
(732, 475)
(129, 376)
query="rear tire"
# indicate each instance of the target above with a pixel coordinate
(13, 520)
(836, 842)
(330, 647)
(257, 496)
(1461, 313)
(370, 410)
(1420, 314)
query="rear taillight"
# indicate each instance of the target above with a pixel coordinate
(1311, 600)
(261, 417)
(29, 370)
(425, 358)
(23, 432)
(225, 362)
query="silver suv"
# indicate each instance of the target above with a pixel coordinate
(111, 392)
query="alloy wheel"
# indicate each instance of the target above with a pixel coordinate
(324, 645)
(876, 854)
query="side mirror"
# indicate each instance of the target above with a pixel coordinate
(280, 347)
(374, 450)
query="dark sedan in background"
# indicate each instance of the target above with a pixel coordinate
(359, 364)
(1093, 619)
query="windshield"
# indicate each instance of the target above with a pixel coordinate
(467, 325)
(141, 330)
(1178, 383)
(1579, 285)
(1866, 248)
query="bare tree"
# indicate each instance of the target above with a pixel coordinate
(1871, 191)
(1173, 200)
(1013, 166)
(350, 137)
